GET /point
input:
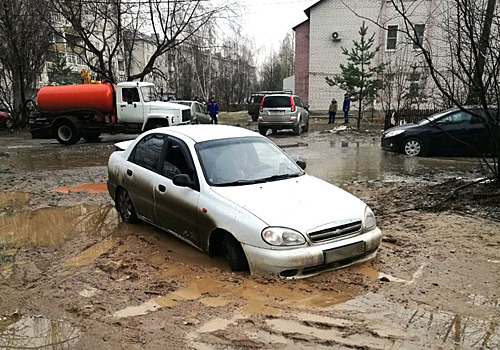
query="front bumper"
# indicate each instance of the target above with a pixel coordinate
(390, 144)
(311, 260)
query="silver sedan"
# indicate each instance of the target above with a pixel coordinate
(230, 191)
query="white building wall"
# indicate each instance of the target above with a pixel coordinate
(329, 16)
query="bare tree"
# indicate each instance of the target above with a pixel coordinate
(278, 66)
(24, 44)
(472, 67)
(105, 29)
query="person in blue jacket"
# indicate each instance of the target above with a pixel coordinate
(213, 110)
(345, 107)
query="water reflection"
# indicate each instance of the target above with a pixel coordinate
(357, 161)
(36, 333)
(53, 226)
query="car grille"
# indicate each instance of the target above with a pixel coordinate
(186, 115)
(335, 232)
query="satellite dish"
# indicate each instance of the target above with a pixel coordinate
(335, 36)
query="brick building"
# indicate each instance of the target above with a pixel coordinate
(333, 24)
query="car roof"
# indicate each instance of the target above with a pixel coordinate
(206, 132)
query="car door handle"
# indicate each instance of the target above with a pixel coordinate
(129, 172)
(162, 188)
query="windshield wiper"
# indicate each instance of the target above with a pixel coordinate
(279, 177)
(238, 182)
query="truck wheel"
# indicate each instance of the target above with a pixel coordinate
(235, 254)
(91, 135)
(67, 132)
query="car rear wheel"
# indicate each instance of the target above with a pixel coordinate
(305, 128)
(125, 207)
(235, 254)
(297, 129)
(414, 147)
(262, 130)
(67, 132)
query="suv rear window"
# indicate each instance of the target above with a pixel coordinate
(277, 101)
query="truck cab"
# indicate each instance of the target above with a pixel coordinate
(140, 103)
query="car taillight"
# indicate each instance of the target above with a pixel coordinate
(292, 104)
(262, 104)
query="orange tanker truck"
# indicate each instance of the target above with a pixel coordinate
(72, 112)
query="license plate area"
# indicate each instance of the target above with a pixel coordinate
(345, 252)
(278, 112)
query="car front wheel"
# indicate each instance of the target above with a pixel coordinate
(125, 207)
(235, 254)
(414, 147)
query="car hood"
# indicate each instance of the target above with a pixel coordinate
(401, 127)
(304, 203)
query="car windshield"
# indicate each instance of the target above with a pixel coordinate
(244, 160)
(149, 93)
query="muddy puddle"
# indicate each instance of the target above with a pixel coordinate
(61, 158)
(36, 332)
(368, 321)
(53, 226)
(354, 161)
(100, 187)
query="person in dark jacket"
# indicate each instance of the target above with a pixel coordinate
(346, 107)
(213, 110)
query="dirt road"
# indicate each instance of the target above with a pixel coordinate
(73, 276)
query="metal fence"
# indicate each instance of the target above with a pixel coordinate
(406, 116)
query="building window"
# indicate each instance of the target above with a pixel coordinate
(392, 37)
(121, 65)
(419, 31)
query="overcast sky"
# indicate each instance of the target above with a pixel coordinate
(268, 21)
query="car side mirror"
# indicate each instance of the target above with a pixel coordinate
(183, 180)
(301, 164)
(306, 107)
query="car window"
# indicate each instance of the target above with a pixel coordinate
(197, 108)
(130, 95)
(148, 151)
(459, 117)
(277, 101)
(298, 102)
(175, 160)
(244, 160)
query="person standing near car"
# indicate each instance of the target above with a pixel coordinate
(345, 107)
(332, 111)
(213, 110)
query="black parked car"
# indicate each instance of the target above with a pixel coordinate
(452, 132)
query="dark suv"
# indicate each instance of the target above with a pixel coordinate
(283, 111)
(256, 99)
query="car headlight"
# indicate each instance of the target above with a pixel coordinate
(393, 133)
(281, 236)
(370, 221)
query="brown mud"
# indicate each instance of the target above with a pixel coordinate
(73, 276)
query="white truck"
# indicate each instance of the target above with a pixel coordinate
(72, 112)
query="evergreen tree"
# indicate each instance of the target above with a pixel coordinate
(60, 73)
(359, 77)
